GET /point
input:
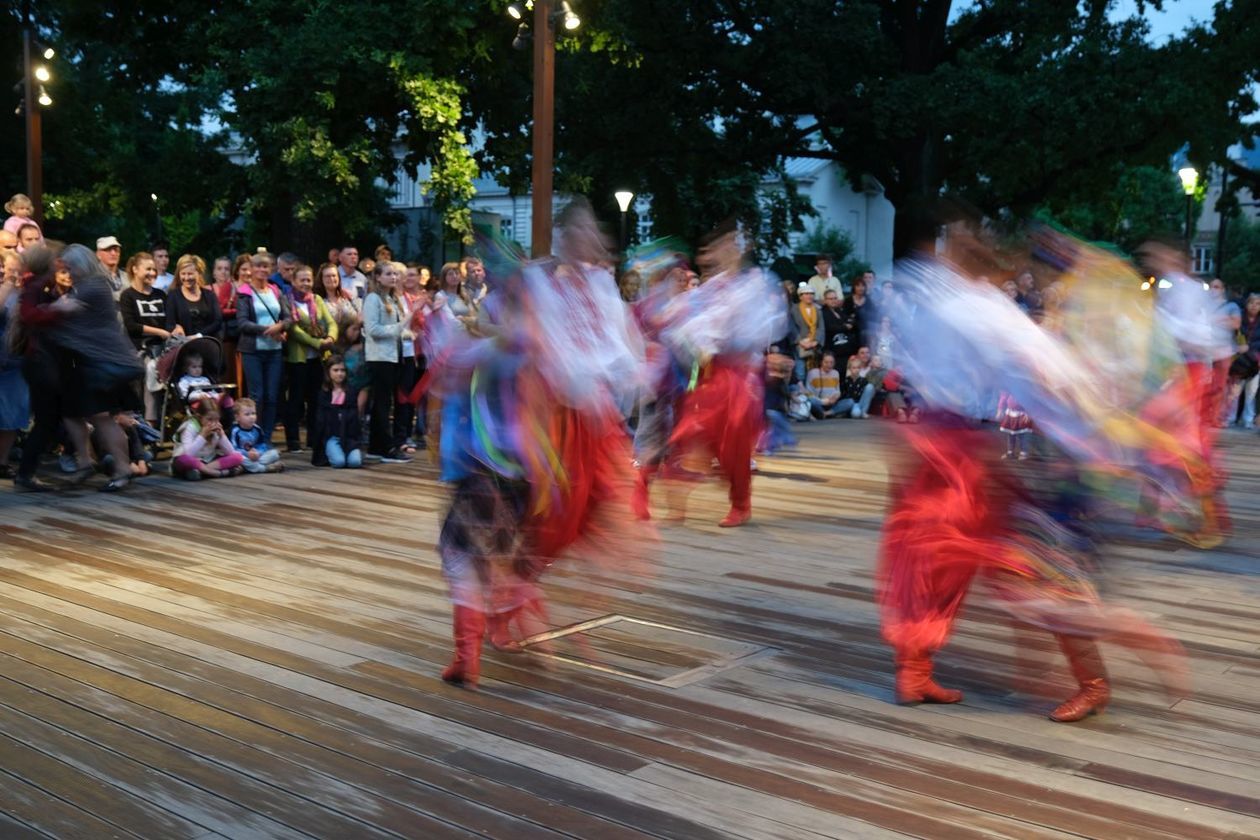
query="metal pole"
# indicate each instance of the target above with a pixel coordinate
(544, 127)
(1224, 217)
(34, 133)
(1189, 210)
(624, 242)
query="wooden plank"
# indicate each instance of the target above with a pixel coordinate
(190, 676)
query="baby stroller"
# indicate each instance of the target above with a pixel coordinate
(169, 368)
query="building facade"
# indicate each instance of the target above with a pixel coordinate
(1205, 244)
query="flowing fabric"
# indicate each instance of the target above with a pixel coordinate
(724, 416)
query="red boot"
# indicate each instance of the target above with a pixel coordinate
(737, 516)
(499, 631)
(915, 684)
(639, 499)
(465, 668)
(1087, 666)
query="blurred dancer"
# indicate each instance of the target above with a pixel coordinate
(728, 323)
(532, 439)
(956, 516)
(667, 377)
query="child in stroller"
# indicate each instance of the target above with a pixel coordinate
(187, 374)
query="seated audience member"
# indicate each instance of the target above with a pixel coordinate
(137, 455)
(247, 438)
(778, 432)
(337, 441)
(202, 449)
(857, 392)
(822, 384)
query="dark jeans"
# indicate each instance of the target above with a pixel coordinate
(262, 377)
(43, 381)
(404, 412)
(304, 379)
(383, 435)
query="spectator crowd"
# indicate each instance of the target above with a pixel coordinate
(104, 359)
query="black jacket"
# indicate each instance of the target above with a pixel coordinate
(336, 421)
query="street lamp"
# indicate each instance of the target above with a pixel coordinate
(542, 175)
(157, 214)
(624, 198)
(34, 97)
(1189, 180)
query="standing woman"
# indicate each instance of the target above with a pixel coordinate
(343, 303)
(856, 304)
(414, 299)
(314, 333)
(104, 367)
(225, 293)
(1249, 328)
(192, 306)
(454, 296)
(262, 318)
(143, 310)
(15, 403)
(383, 330)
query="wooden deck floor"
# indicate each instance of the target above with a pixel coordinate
(258, 658)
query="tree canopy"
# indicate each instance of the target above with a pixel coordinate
(1006, 105)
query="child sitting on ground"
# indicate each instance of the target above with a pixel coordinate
(338, 433)
(203, 449)
(136, 452)
(247, 438)
(350, 349)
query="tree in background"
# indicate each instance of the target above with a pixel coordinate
(836, 243)
(1128, 207)
(1006, 105)
(1242, 261)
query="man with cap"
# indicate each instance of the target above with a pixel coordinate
(810, 330)
(109, 252)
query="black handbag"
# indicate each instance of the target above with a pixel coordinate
(1244, 366)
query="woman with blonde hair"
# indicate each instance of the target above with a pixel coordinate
(264, 317)
(190, 304)
(383, 330)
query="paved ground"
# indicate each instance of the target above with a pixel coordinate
(258, 658)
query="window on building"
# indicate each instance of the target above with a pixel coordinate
(643, 229)
(1203, 263)
(507, 229)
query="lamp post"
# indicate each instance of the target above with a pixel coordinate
(543, 168)
(1189, 180)
(542, 175)
(157, 214)
(624, 198)
(34, 97)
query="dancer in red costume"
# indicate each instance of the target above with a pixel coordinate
(533, 442)
(957, 517)
(726, 326)
(666, 379)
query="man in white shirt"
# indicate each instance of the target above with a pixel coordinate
(162, 261)
(348, 266)
(824, 280)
